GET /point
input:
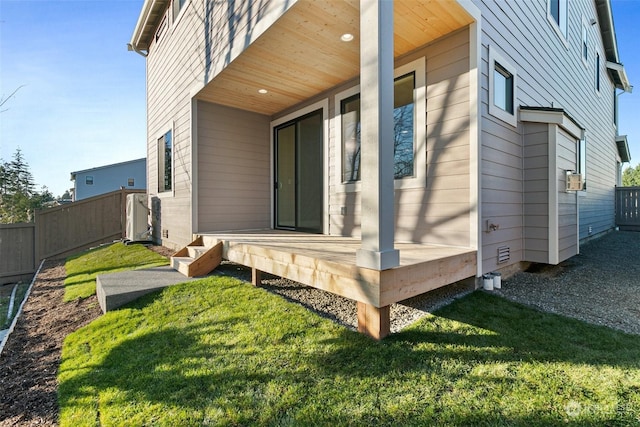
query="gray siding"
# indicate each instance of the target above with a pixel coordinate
(179, 64)
(550, 73)
(233, 169)
(567, 201)
(536, 192)
(110, 178)
(439, 213)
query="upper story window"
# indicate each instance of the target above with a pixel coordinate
(88, 180)
(131, 182)
(502, 87)
(585, 43)
(165, 162)
(177, 7)
(597, 64)
(557, 12)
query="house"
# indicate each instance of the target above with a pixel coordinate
(387, 148)
(104, 179)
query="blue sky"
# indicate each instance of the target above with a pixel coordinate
(83, 100)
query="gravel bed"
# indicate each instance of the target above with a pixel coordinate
(343, 310)
(599, 286)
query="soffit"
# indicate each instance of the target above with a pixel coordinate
(301, 55)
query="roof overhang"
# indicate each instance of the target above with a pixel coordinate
(619, 76)
(150, 16)
(623, 148)
(608, 32)
(556, 116)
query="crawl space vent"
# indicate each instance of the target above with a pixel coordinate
(504, 254)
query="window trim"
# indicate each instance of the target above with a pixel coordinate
(597, 75)
(584, 43)
(419, 179)
(175, 18)
(160, 174)
(495, 58)
(562, 33)
(581, 163)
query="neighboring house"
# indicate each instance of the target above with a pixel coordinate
(104, 179)
(465, 116)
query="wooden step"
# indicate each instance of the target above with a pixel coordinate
(196, 260)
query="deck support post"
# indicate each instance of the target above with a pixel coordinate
(256, 277)
(374, 321)
(377, 152)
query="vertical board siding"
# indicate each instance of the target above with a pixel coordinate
(628, 208)
(233, 169)
(17, 246)
(550, 74)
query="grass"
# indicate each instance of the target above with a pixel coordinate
(83, 268)
(5, 297)
(218, 351)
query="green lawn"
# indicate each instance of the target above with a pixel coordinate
(218, 351)
(83, 268)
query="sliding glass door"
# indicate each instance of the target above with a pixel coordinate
(298, 174)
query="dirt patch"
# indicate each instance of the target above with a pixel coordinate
(30, 359)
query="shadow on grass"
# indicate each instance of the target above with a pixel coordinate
(228, 365)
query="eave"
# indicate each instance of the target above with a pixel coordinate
(150, 16)
(623, 148)
(608, 32)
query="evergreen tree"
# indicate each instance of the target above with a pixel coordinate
(18, 197)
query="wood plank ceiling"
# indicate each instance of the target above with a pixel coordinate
(302, 54)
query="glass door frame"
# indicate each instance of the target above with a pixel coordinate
(321, 105)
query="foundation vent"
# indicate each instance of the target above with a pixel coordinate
(504, 254)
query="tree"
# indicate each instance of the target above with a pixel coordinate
(18, 197)
(631, 177)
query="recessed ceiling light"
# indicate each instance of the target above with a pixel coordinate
(346, 37)
(263, 91)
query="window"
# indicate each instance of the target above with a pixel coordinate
(403, 141)
(502, 88)
(131, 182)
(165, 167)
(88, 180)
(409, 136)
(582, 161)
(177, 7)
(615, 108)
(597, 64)
(585, 43)
(557, 14)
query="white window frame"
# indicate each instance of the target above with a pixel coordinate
(175, 18)
(597, 74)
(494, 110)
(419, 178)
(581, 162)
(160, 175)
(561, 28)
(584, 43)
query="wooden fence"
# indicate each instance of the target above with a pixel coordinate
(628, 208)
(61, 231)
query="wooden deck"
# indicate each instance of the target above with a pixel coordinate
(329, 263)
